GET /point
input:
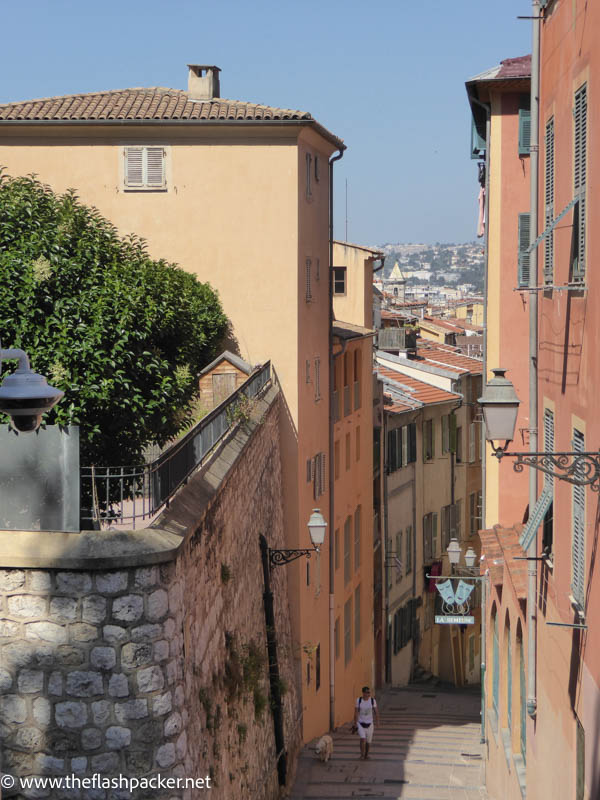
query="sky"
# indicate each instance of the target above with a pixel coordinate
(386, 76)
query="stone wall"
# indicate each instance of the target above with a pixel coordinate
(118, 665)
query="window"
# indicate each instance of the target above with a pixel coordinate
(548, 524)
(398, 559)
(348, 630)
(459, 455)
(408, 559)
(308, 573)
(357, 354)
(404, 444)
(347, 550)
(339, 280)
(448, 525)
(458, 519)
(356, 616)
(472, 442)
(308, 176)
(430, 522)
(474, 512)
(317, 169)
(357, 442)
(318, 269)
(393, 459)
(549, 204)
(524, 127)
(357, 537)
(336, 548)
(578, 529)
(144, 168)
(317, 378)
(348, 452)
(308, 671)
(336, 459)
(579, 184)
(318, 474)
(308, 370)
(523, 255)
(308, 280)
(445, 433)
(428, 440)
(336, 638)
(495, 664)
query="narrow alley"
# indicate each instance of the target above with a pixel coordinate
(426, 748)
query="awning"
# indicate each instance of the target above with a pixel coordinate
(535, 519)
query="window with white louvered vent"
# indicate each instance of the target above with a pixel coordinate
(579, 183)
(144, 167)
(578, 530)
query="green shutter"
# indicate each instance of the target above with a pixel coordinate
(524, 131)
(452, 434)
(524, 260)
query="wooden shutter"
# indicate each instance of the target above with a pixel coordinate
(523, 256)
(578, 524)
(434, 533)
(549, 202)
(580, 179)
(427, 553)
(134, 166)
(524, 131)
(155, 167)
(472, 442)
(412, 442)
(404, 445)
(452, 433)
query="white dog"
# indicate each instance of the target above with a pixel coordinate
(324, 748)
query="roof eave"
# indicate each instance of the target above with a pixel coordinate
(327, 135)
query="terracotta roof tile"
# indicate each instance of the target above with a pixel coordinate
(448, 356)
(150, 104)
(501, 554)
(418, 390)
(515, 67)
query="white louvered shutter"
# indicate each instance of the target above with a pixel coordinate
(578, 553)
(548, 439)
(580, 176)
(155, 167)
(134, 166)
(549, 215)
(323, 466)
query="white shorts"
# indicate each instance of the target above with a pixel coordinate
(366, 733)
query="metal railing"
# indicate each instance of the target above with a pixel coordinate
(116, 494)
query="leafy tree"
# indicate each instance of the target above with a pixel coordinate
(123, 335)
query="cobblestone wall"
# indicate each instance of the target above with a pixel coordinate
(156, 669)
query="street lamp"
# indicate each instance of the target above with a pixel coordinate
(24, 395)
(316, 528)
(500, 405)
(273, 558)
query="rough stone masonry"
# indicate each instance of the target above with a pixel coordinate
(144, 653)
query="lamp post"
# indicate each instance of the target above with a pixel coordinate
(273, 558)
(500, 406)
(24, 395)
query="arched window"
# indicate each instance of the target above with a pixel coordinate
(507, 639)
(495, 662)
(522, 693)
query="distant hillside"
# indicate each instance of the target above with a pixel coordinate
(438, 264)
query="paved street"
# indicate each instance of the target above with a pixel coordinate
(427, 748)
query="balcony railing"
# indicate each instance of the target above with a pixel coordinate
(119, 494)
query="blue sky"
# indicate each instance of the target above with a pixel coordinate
(387, 76)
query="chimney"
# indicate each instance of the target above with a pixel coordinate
(203, 82)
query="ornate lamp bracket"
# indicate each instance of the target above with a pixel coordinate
(278, 557)
(579, 469)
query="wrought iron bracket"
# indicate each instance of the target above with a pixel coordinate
(579, 469)
(278, 557)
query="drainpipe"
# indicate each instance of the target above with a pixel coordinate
(533, 360)
(331, 457)
(483, 449)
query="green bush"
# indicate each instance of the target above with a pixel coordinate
(123, 335)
